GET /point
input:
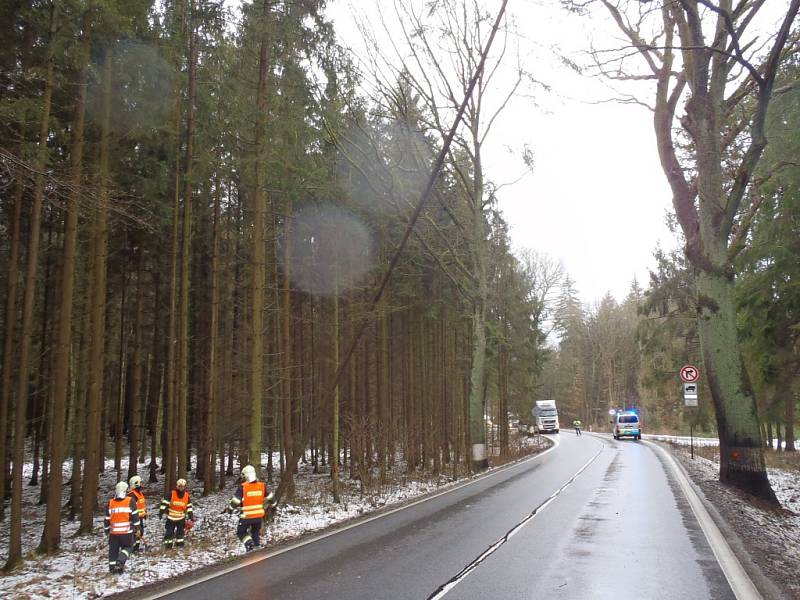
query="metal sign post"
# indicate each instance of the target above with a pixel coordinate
(689, 375)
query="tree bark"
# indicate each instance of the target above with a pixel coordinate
(120, 404)
(94, 429)
(789, 419)
(211, 389)
(186, 251)
(334, 458)
(287, 351)
(9, 353)
(51, 536)
(259, 260)
(136, 369)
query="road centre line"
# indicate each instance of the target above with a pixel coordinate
(256, 558)
(740, 582)
(446, 587)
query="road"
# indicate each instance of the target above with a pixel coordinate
(592, 518)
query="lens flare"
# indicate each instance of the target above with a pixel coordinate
(331, 249)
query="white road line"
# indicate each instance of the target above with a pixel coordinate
(444, 589)
(251, 560)
(737, 577)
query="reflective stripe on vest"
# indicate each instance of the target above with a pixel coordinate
(120, 516)
(141, 504)
(253, 495)
(177, 506)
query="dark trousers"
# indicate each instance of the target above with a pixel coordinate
(174, 533)
(119, 549)
(249, 530)
(577, 431)
(140, 530)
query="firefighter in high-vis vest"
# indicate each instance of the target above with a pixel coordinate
(137, 493)
(121, 519)
(249, 500)
(178, 508)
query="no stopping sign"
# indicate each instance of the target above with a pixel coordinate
(689, 373)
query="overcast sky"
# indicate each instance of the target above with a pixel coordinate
(596, 199)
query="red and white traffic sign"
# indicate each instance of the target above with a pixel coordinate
(689, 373)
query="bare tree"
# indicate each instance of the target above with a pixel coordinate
(713, 81)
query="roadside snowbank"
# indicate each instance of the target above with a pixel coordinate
(685, 440)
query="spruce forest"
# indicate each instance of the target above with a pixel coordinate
(200, 215)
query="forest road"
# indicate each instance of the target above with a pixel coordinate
(593, 518)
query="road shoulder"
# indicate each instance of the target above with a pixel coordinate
(756, 549)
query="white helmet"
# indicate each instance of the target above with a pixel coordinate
(136, 482)
(249, 473)
(180, 482)
(121, 489)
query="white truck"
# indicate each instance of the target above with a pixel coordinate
(545, 416)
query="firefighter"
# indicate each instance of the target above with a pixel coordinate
(141, 506)
(248, 501)
(178, 508)
(577, 425)
(122, 517)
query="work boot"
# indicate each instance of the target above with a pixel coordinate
(120, 568)
(249, 545)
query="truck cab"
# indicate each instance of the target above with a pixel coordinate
(545, 416)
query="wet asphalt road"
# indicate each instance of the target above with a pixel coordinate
(620, 528)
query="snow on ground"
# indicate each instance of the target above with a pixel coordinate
(681, 440)
(685, 440)
(80, 569)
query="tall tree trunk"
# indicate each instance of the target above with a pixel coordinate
(741, 453)
(120, 404)
(259, 266)
(9, 350)
(334, 459)
(502, 399)
(186, 250)
(211, 390)
(94, 429)
(478, 369)
(789, 400)
(51, 536)
(155, 397)
(78, 421)
(170, 374)
(136, 369)
(42, 397)
(287, 358)
(382, 385)
(168, 418)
